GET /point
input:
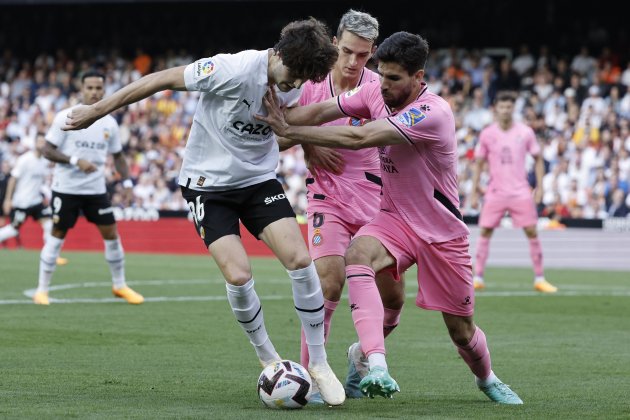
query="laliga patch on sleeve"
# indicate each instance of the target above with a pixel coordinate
(353, 91)
(412, 117)
(203, 68)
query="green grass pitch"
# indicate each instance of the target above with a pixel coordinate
(182, 355)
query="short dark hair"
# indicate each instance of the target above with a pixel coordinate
(92, 73)
(306, 49)
(408, 50)
(505, 95)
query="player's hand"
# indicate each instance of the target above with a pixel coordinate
(275, 116)
(323, 158)
(538, 195)
(86, 166)
(80, 117)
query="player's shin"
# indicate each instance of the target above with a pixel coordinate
(48, 262)
(367, 311)
(329, 309)
(115, 256)
(248, 311)
(390, 320)
(476, 355)
(309, 305)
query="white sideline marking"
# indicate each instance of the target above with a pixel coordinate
(567, 290)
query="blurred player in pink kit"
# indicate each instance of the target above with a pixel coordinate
(418, 221)
(505, 145)
(343, 198)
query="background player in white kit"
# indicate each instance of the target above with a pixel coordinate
(24, 196)
(79, 184)
(228, 174)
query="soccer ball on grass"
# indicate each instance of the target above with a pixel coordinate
(284, 384)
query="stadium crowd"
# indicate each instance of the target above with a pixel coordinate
(579, 107)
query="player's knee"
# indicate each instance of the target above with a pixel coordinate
(297, 261)
(332, 288)
(356, 256)
(531, 232)
(237, 277)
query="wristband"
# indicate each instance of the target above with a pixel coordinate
(74, 160)
(127, 183)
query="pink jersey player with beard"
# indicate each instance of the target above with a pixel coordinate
(338, 205)
(419, 221)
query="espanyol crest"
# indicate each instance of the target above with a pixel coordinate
(412, 117)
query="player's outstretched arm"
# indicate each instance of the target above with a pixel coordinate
(314, 114)
(85, 115)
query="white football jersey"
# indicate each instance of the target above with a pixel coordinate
(93, 143)
(227, 147)
(30, 174)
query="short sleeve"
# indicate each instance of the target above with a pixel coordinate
(356, 102)
(206, 74)
(55, 134)
(481, 151)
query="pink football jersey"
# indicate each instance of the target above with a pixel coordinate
(419, 177)
(355, 194)
(506, 152)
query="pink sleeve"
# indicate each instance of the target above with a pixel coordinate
(481, 151)
(417, 125)
(356, 102)
(532, 144)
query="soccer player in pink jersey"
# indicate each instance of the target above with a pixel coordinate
(504, 145)
(340, 203)
(418, 221)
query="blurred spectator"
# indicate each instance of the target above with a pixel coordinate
(578, 106)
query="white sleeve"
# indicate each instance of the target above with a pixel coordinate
(55, 134)
(114, 142)
(208, 74)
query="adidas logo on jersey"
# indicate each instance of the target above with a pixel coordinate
(269, 200)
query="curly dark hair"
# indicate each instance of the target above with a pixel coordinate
(408, 50)
(306, 49)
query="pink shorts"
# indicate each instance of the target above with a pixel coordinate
(444, 269)
(522, 211)
(328, 235)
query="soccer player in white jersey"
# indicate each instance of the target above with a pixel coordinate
(228, 174)
(24, 196)
(340, 202)
(79, 184)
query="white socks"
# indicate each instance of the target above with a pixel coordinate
(377, 359)
(309, 305)
(115, 256)
(248, 312)
(48, 262)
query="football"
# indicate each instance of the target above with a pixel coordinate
(284, 384)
